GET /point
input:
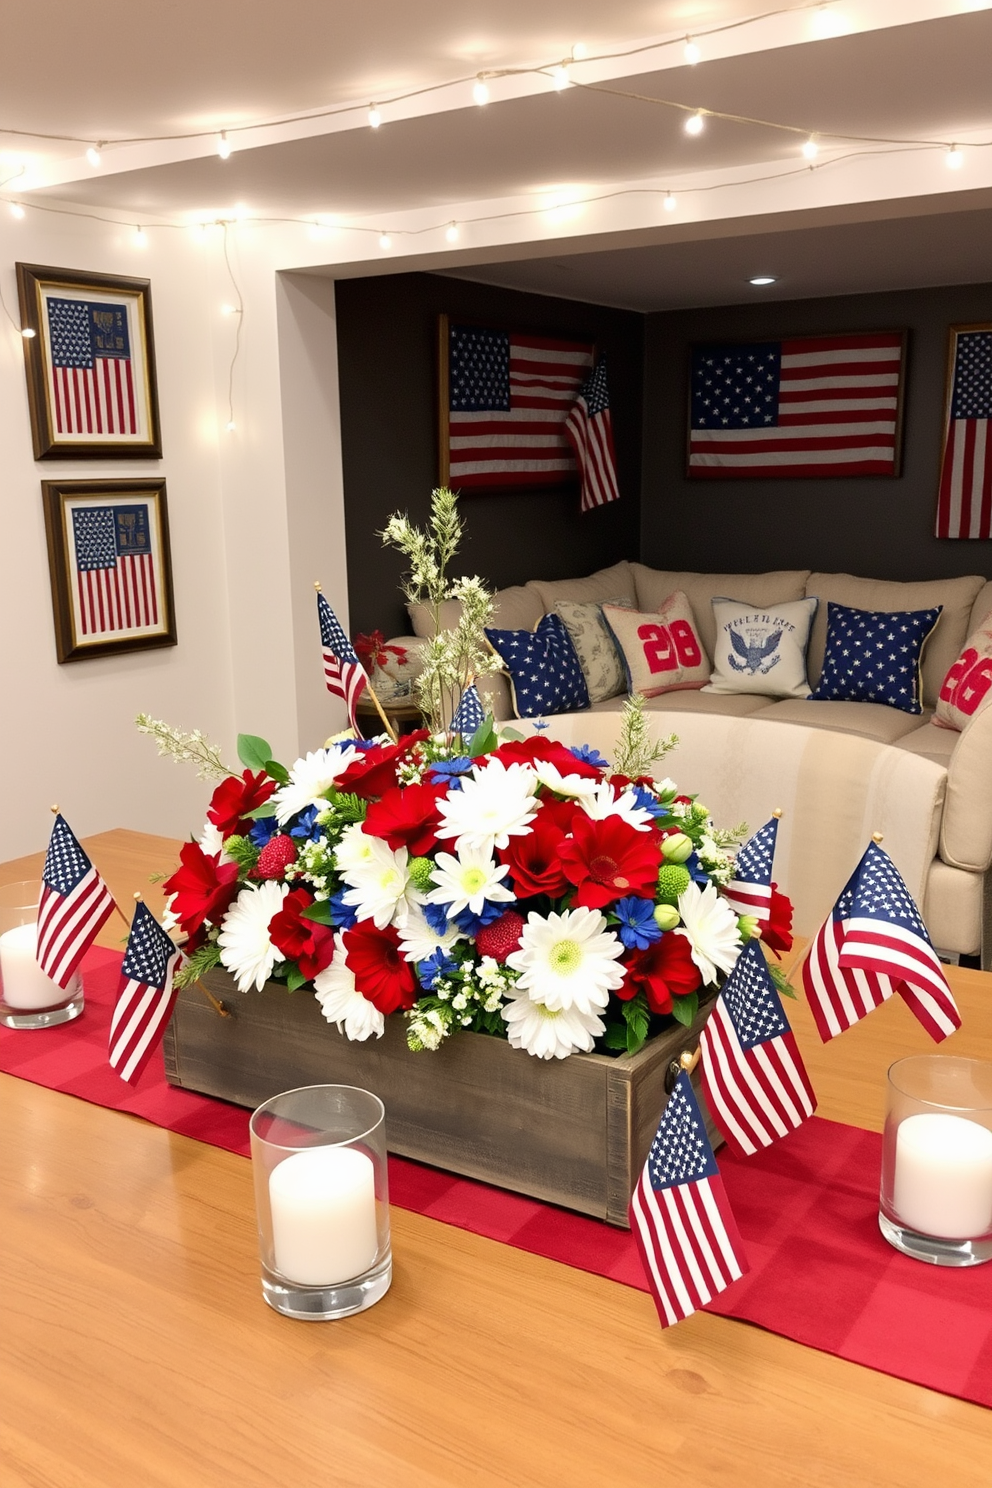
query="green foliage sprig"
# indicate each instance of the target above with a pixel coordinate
(205, 958)
(636, 750)
(185, 746)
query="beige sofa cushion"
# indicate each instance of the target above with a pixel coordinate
(731, 705)
(516, 608)
(946, 639)
(869, 720)
(616, 582)
(930, 742)
(952, 908)
(654, 585)
(966, 831)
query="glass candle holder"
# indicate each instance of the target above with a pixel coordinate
(322, 1201)
(936, 1198)
(29, 998)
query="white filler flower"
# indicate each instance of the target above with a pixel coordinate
(418, 941)
(380, 888)
(568, 960)
(600, 803)
(549, 1034)
(334, 989)
(495, 804)
(309, 779)
(468, 881)
(245, 948)
(710, 926)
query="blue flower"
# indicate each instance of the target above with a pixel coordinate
(589, 756)
(638, 928)
(342, 915)
(360, 744)
(540, 724)
(261, 831)
(306, 824)
(470, 924)
(697, 871)
(450, 769)
(439, 964)
(436, 916)
(648, 802)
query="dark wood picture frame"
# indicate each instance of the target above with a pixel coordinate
(106, 608)
(842, 472)
(95, 395)
(566, 478)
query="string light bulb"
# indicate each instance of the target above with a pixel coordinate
(229, 310)
(140, 239)
(811, 149)
(691, 52)
(560, 78)
(93, 154)
(385, 241)
(375, 118)
(16, 210)
(451, 232)
(480, 92)
(694, 123)
(230, 426)
(579, 51)
(670, 202)
(28, 333)
(954, 159)
(224, 146)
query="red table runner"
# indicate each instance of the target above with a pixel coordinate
(807, 1210)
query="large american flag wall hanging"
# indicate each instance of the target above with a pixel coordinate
(90, 364)
(820, 406)
(964, 501)
(108, 552)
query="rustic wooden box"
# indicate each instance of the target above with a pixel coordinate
(573, 1131)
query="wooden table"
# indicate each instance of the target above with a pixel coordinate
(136, 1351)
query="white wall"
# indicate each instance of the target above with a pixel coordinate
(255, 517)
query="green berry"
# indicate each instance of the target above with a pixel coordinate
(673, 880)
(666, 916)
(676, 848)
(420, 870)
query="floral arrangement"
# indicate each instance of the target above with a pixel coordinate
(509, 886)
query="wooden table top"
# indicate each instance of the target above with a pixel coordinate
(137, 1351)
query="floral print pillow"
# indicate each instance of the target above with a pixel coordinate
(602, 665)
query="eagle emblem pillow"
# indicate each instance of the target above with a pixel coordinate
(661, 650)
(761, 648)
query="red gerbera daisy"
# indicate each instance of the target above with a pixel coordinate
(235, 797)
(374, 772)
(534, 858)
(407, 817)
(310, 945)
(608, 859)
(665, 970)
(778, 932)
(381, 974)
(204, 887)
(531, 751)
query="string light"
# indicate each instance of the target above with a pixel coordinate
(93, 154)
(229, 310)
(140, 240)
(230, 426)
(451, 232)
(579, 51)
(16, 210)
(762, 279)
(28, 333)
(954, 159)
(694, 123)
(670, 202)
(375, 118)
(480, 92)
(385, 242)
(691, 52)
(224, 146)
(811, 149)
(560, 77)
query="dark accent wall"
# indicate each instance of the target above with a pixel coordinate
(387, 336)
(880, 528)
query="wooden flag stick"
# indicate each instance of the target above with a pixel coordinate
(877, 838)
(777, 813)
(689, 1061)
(371, 692)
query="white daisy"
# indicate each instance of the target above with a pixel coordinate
(600, 803)
(355, 849)
(380, 888)
(210, 840)
(563, 785)
(170, 920)
(245, 948)
(710, 927)
(419, 942)
(309, 779)
(494, 804)
(340, 1001)
(568, 960)
(548, 1033)
(468, 881)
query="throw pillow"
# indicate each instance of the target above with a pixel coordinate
(966, 689)
(761, 648)
(873, 656)
(601, 663)
(661, 649)
(544, 671)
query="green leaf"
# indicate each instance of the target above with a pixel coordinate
(253, 752)
(484, 739)
(242, 852)
(348, 807)
(686, 1008)
(616, 1036)
(782, 985)
(511, 733)
(261, 813)
(204, 959)
(294, 978)
(319, 912)
(275, 771)
(638, 1020)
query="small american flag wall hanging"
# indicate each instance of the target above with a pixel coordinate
(108, 553)
(821, 406)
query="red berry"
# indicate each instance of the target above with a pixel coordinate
(276, 856)
(501, 937)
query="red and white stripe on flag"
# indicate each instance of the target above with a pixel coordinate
(746, 898)
(964, 500)
(346, 680)
(854, 966)
(589, 429)
(122, 597)
(141, 1014)
(69, 923)
(95, 400)
(756, 1095)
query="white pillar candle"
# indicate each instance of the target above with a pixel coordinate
(323, 1215)
(25, 985)
(943, 1178)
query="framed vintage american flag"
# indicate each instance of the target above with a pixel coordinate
(90, 360)
(111, 567)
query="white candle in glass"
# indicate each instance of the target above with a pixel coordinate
(323, 1215)
(943, 1177)
(25, 985)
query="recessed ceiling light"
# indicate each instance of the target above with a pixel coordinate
(763, 279)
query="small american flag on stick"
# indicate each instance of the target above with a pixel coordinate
(964, 503)
(470, 714)
(875, 943)
(750, 890)
(343, 672)
(145, 997)
(755, 1080)
(589, 429)
(680, 1215)
(75, 902)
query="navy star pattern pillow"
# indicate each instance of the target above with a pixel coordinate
(543, 666)
(873, 656)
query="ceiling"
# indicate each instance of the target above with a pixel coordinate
(912, 74)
